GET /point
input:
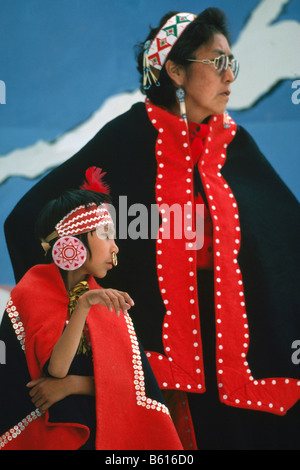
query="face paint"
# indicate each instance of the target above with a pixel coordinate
(106, 231)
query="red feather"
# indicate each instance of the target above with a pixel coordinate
(94, 180)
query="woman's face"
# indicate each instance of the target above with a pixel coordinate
(206, 92)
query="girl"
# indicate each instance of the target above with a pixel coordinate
(100, 393)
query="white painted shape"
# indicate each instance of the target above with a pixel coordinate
(268, 53)
(34, 160)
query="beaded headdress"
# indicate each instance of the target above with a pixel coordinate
(157, 50)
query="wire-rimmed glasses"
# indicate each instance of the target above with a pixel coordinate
(221, 64)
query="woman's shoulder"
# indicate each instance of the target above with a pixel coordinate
(132, 128)
(134, 115)
(244, 146)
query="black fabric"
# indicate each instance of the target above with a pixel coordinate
(77, 408)
(269, 218)
(269, 257)
(226, 427)
(221, 427)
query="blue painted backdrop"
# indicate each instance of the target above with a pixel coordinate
(61, 59)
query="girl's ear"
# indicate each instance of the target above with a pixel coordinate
(176, 72)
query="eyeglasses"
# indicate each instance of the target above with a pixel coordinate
(221, 64)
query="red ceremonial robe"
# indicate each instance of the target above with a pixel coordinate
(127, 419)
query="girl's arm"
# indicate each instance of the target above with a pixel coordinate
(65, 349)
(46, 391)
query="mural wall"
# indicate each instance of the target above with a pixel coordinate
(66, 68)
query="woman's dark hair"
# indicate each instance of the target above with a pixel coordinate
(58, 208)
(198, 33)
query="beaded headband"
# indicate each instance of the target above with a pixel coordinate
(83, 219)
(80, 220)
(157, 50)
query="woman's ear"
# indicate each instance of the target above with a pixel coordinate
(176, 72)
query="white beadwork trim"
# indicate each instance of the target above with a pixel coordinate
(18, 428)
(16, 322)
(139, 380)
(18, 327)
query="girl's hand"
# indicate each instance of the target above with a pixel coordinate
(65, 349)
(46, 391)
(110, 298)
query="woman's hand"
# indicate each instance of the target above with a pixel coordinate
(46, 391)
(110, 298)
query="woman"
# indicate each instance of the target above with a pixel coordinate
(101, 394)
(213, 326)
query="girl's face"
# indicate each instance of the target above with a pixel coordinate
(102, 245)
(206, 92)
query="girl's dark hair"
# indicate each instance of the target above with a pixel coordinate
(198, 33)
(58, 208)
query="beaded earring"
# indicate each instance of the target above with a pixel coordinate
(180, 95)
(226, 124)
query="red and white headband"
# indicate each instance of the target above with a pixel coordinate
(157, 50)
(83, 219)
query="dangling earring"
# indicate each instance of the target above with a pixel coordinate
(180, 95)
(226, 123)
